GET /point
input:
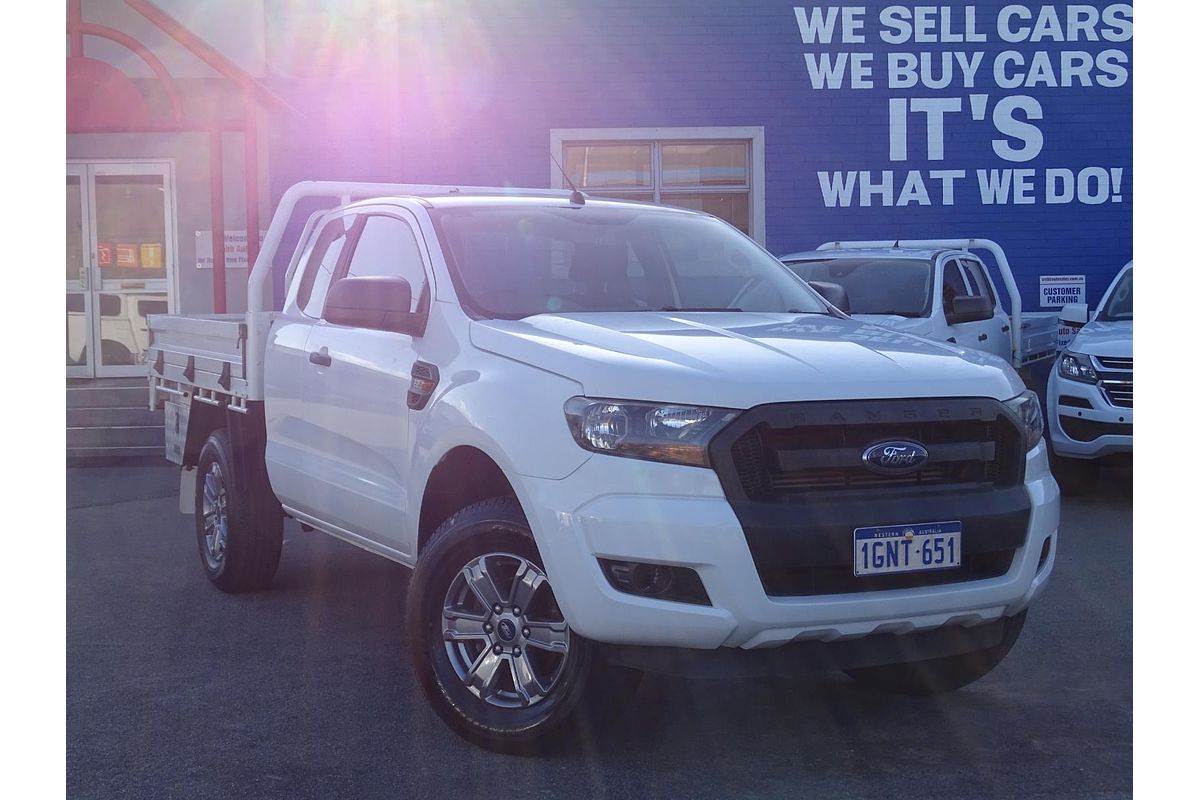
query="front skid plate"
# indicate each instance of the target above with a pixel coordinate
(814, 657)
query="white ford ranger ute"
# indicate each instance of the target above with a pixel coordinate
(608, 437)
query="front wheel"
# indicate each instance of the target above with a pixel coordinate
(492, 651)
(939, 675)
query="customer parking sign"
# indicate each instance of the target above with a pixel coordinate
(1061, 290)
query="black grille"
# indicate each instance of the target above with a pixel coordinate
(794, 476)
(820, 454)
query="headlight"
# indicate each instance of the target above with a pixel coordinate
(1075, 367)
(1029, 411)
(652, 431)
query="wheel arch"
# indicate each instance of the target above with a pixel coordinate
(202, 420)
(464, 475)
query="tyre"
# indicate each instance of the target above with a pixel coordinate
(491, 649)
(239, 535)
(939, 675)
(1074, 476)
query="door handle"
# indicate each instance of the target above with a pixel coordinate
(983, 337)
(320, 358)
(1004, 329)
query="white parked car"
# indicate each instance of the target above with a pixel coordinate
(935, 288)
(608, 437)
(1090, 392)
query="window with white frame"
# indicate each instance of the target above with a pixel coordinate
(716, 170)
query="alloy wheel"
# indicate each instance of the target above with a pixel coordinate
(215, 514)
(505, 636)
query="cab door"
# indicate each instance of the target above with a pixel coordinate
(997, 327)
(293, 445)
(964, 278)
(356, 389)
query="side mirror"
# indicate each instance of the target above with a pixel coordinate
(378, 303)
(1074, 315)
(834, 293)
(969, 309)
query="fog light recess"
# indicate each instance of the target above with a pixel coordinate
(656, 581)
(1045, 553)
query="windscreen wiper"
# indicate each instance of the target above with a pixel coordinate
(692, 308)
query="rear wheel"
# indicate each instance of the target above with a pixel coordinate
(939, 675)
(239, 539)
(492, 651)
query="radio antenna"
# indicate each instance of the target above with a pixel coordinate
(577, 198)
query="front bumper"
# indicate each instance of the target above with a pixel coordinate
(625, 509)
(1101, 430)
(805, 657)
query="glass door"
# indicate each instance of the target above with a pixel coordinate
(126, 269)
(79, 300)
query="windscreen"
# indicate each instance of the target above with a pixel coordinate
(898, 286)
(1120, 302)
(513, 262)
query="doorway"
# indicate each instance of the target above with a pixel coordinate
(120, 262)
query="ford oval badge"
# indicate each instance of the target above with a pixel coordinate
(892, 458)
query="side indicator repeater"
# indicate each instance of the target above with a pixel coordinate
(424, 381)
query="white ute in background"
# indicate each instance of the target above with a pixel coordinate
(1090, 391)
(608, 437)
(935, 288)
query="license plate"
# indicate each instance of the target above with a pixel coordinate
(888, 549)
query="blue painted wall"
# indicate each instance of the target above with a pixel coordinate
(481, 84)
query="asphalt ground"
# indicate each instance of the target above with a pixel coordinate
(177, 690)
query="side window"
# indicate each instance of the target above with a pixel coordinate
(386, 247)
(977, 281)
(319, 271)
(953, 285)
